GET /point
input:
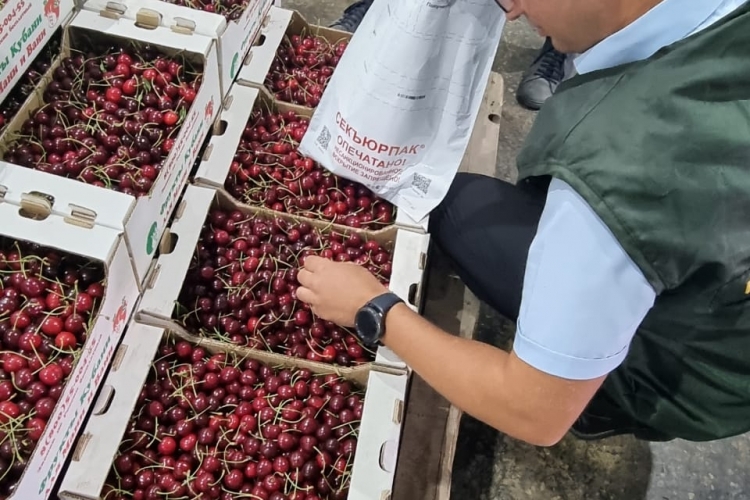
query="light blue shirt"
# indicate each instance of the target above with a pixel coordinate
(583, 297)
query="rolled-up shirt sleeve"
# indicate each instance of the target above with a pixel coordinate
(583, 296)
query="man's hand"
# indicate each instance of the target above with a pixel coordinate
(336, 290)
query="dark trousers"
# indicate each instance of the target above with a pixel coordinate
(485, 226)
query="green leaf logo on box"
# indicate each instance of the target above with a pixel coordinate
(151, 239)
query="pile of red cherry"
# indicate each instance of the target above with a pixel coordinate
(212, 427)
(48, 301)
(110, 118)
(230, 9)
(30, 79)
(268, 170)
(302, 68)
(241, 286)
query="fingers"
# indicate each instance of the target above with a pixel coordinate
(305, 295)
(305, 277)
(314, 263)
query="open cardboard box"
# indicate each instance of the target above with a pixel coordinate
(233, 38)
(43, 80)
(377, 447)
(229, 127)
(76, 233)
(163, 287)
(25, 28)
(143, 219)
(280, 24)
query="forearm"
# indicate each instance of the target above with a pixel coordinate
(474, 376)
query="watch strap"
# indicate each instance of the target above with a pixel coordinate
(383, 303)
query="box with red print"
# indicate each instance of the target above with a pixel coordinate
(68, 288)
(137, 195)
(25, 28)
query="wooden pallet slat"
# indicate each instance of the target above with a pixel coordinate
(431, 424)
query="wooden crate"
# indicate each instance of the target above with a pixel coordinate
(431, 424)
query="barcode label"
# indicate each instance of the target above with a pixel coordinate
(324, 138)
(421, 183)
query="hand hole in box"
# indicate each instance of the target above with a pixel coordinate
(388, 456)
(220, 127)
(148, 19)
(36, 205)
(168, 243)
(104, 401)
(494, 118)
(413, 294)
(182, 23)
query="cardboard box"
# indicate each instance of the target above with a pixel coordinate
(143, 219)
(233, 38)
(76, 233)
(377, 447)
(25, 28)
(23, 88)
(164, 284)
(219, 154)
(279, 25)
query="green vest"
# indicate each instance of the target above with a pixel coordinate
(660, 149)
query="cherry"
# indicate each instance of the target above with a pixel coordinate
(13, 362)
(170, 118)
(35, 428)
(84, 302)
(6, 390)
(113, 94)
(8, 411)
(167, 446)
(52, 325)
(65, 341)
(51, 374)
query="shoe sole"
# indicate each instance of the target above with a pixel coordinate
(529, 104)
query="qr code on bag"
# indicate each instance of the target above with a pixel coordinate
(421, 183)
(324, 138)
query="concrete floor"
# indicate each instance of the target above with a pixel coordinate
(491, 466)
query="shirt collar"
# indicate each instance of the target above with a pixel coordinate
(665, 24)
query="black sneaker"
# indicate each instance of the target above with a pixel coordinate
(542, 78)
(353, 16)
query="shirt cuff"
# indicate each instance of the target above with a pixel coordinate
(563, 365)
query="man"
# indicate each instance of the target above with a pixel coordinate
(624, 251)
(537, 85)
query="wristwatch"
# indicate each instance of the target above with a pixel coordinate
(369, 322)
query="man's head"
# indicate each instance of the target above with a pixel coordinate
(577, 25)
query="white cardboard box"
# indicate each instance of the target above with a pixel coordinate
(96, 448)
(377, 448)
(75, 234)
(25, 28)
(260, 57)
(217, 159)
(145, 218)
(163, 286)
(233, 38)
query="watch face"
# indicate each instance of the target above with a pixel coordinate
(368, 324)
